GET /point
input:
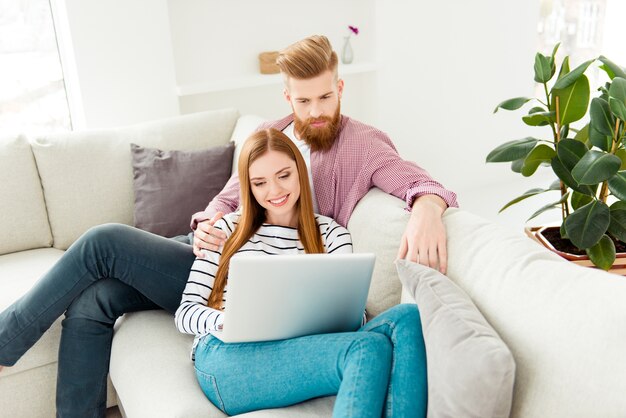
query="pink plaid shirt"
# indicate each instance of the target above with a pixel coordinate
(362, 157)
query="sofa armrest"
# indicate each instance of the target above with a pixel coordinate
(563, 323)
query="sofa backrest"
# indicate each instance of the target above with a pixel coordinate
(87, 176)
(376, 226)
(23, 219)
(246, 125)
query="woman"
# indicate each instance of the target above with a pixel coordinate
(379, 370)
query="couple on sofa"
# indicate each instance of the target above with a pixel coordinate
(382, 365)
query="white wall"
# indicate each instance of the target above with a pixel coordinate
(444, 66)
(217, 40)
(122, 68)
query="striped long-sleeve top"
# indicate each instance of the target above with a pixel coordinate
(195, 317)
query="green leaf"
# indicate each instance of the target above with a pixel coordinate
(563, 232)
(586, 225)
(579, 200)
(512, 150)
(573, 100)
(617, 185)
(621, 154)
(583, 136)
(512, 104)
(615, 70)
(549, 206)
(603, 253)
(596, 167)
(564, 131)
(617, 227)
(555, 185)
(540, 154)
(607, 70)
(556, 48)
(619, 205)
(539, 118)
(566, 177)
(517, 165)
(604, 91)
(601, 118)
(618, 109)
(599, 140)
(564, 68)
(526, 195)
(573, 76)
(543, 68)
(618, 89)
(570, 152)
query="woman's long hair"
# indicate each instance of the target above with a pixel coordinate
(253, 214)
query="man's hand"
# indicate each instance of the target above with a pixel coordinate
(206, 237)
(424, 239)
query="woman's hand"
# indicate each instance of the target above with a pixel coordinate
(206, 237)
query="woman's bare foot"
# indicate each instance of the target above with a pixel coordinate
(1, 367)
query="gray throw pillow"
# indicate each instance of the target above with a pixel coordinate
(470, 369)
(170, 186)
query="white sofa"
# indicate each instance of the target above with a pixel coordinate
(565, 325)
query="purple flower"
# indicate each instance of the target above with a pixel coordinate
(354, 29)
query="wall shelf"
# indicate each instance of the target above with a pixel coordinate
(257, 80)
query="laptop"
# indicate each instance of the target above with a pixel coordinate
(286, 296)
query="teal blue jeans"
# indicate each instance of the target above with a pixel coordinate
(377, 371)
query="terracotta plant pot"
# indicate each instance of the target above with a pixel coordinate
(535, 232)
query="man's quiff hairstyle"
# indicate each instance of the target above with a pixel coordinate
(308, 58)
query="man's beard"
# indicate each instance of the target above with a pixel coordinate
(319, 139)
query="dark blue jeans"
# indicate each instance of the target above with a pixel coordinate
(112, 269)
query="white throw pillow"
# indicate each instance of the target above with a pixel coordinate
(470, 369)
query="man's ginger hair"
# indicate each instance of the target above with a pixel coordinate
(308, 58)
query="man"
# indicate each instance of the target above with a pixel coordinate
(345, 154)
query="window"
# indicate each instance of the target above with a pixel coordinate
(578, 24)
(589, 18)
(33, 99)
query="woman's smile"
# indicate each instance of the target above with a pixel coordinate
(279, 201)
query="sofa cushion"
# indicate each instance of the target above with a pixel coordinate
(87, 176)
(315, 408)
(470, 369)
(382, 237)
(158, 379)
(170, 186)
(23, 220)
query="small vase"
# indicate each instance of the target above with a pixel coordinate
(346, 53)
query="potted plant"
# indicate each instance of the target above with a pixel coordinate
(589, 163)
